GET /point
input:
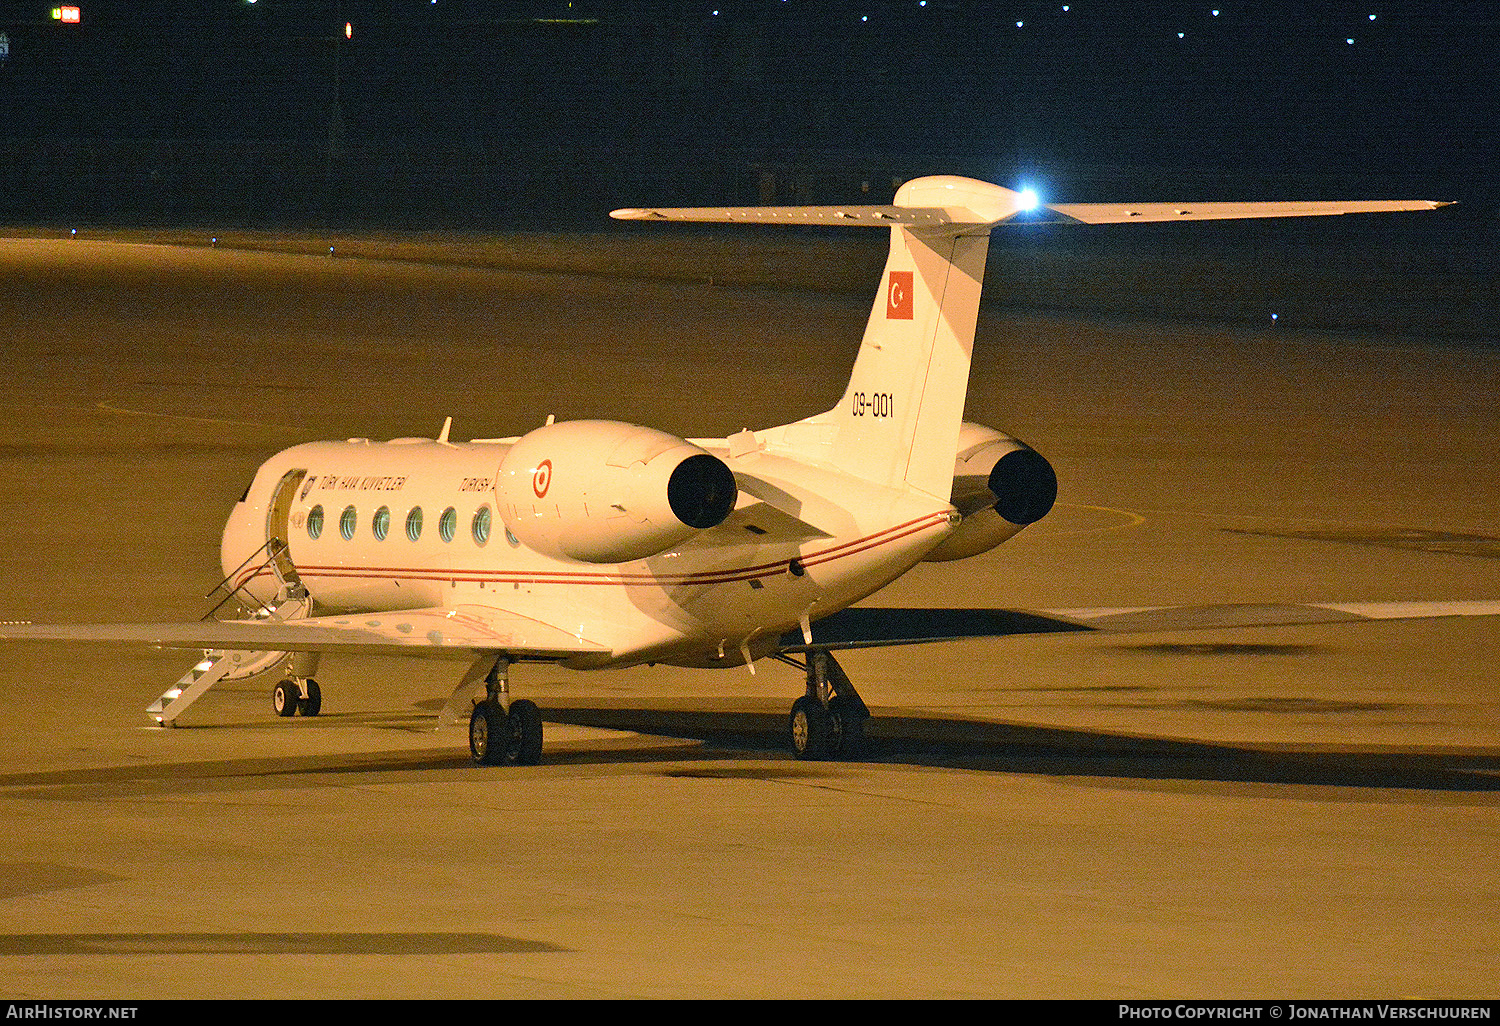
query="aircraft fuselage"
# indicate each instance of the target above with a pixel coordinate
(419, 523)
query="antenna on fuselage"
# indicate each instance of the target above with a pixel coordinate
(442, 437)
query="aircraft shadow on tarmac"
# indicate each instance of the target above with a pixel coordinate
(736, 743)
(268, 944)
(892, 738)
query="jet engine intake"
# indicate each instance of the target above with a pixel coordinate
(607, 492)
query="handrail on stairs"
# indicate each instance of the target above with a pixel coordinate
(274, 549)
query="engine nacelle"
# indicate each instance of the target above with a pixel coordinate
(999, 486)
(606, 492)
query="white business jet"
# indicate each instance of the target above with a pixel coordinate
(596, 543)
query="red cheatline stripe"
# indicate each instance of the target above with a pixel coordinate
(726, 576)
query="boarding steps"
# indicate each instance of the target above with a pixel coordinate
(292, 603)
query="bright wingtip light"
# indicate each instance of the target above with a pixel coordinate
(1029, 200)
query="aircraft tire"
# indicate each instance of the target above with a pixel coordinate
(313, 703)
(525, 735)
(285, 697)
(811, 730)
(488, 732)
(848, 728)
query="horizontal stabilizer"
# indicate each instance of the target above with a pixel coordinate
(1014, 208)
(849, 216)
(1122, 213)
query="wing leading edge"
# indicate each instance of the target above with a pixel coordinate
(436, 632)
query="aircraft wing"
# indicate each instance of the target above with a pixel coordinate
(437, 632)
(874, 627)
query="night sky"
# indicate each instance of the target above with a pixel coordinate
(457, 109)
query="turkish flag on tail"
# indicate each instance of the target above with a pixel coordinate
(898, 298)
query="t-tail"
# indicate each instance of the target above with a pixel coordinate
(899, 421)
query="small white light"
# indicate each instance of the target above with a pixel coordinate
(1029, 199)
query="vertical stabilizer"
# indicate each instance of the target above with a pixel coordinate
(899, 420)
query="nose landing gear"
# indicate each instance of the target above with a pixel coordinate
(294, 696)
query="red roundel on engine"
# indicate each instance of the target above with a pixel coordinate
(541, 478)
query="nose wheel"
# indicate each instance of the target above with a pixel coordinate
(292, 696)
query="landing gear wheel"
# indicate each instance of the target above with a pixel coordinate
(525, 739)
(285, 698)
(848, 732)
(312, 702)
(812, 730)
(488, 732)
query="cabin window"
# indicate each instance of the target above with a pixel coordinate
(448, 524)
(481, 525)
(382, 523)
(414, 523)
(348, 521)
(315, 522)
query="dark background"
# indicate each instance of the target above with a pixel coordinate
(488, 119)
(484, 114)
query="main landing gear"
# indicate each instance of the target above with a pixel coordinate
(829, 721)
(502, 732)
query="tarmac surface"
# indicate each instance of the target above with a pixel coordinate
(1294, 812)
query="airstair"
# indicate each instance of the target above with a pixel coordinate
(291, 603)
